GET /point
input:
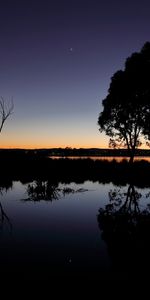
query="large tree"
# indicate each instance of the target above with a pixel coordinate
(126, 109)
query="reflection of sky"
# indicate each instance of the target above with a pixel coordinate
(41, 229)
(69, 224)
(58, 92)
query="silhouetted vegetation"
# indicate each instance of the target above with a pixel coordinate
(126, 109)
(69, 152)
(28, 168)
(42, 190)
(125, 227)
(48, 191)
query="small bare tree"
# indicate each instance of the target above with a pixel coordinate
(6, 110)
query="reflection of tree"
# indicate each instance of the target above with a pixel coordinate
(4, 219)
(129, 207)
(5, 185)
(126, 229)
(42, 190)
(47, 190)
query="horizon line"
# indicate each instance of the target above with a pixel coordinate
(67, 148)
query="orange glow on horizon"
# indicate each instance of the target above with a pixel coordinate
(9, 144)
(16, 145)
(44, 140)
(43, 146)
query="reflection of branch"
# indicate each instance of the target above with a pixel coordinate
(130, 204)
(4, 218)
(122, 214)
(68, 190)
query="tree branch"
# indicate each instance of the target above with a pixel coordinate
(5, 111)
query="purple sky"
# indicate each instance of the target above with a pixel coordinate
(56, 60)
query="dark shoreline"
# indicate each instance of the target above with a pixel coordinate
(76, 152)
(26, 168)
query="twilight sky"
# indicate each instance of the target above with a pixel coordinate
(56, 60)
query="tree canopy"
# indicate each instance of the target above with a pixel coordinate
(126, 109)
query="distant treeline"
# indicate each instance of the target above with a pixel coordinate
(65, 152)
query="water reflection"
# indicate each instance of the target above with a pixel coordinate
(5, 222)
(49, 191)
(42, 190)
(101, 158)
(63, 237)
(125, 227)
(5, 185)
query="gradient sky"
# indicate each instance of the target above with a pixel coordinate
(56, 60)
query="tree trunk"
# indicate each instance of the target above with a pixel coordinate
(132, 152)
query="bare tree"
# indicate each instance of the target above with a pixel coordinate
(6, 110)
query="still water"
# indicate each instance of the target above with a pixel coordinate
(73, 229)
(108, 158)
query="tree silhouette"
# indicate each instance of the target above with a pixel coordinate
(126, 109)
(5, 111)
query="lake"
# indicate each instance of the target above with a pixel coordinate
(108, 158)
(89, 229)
